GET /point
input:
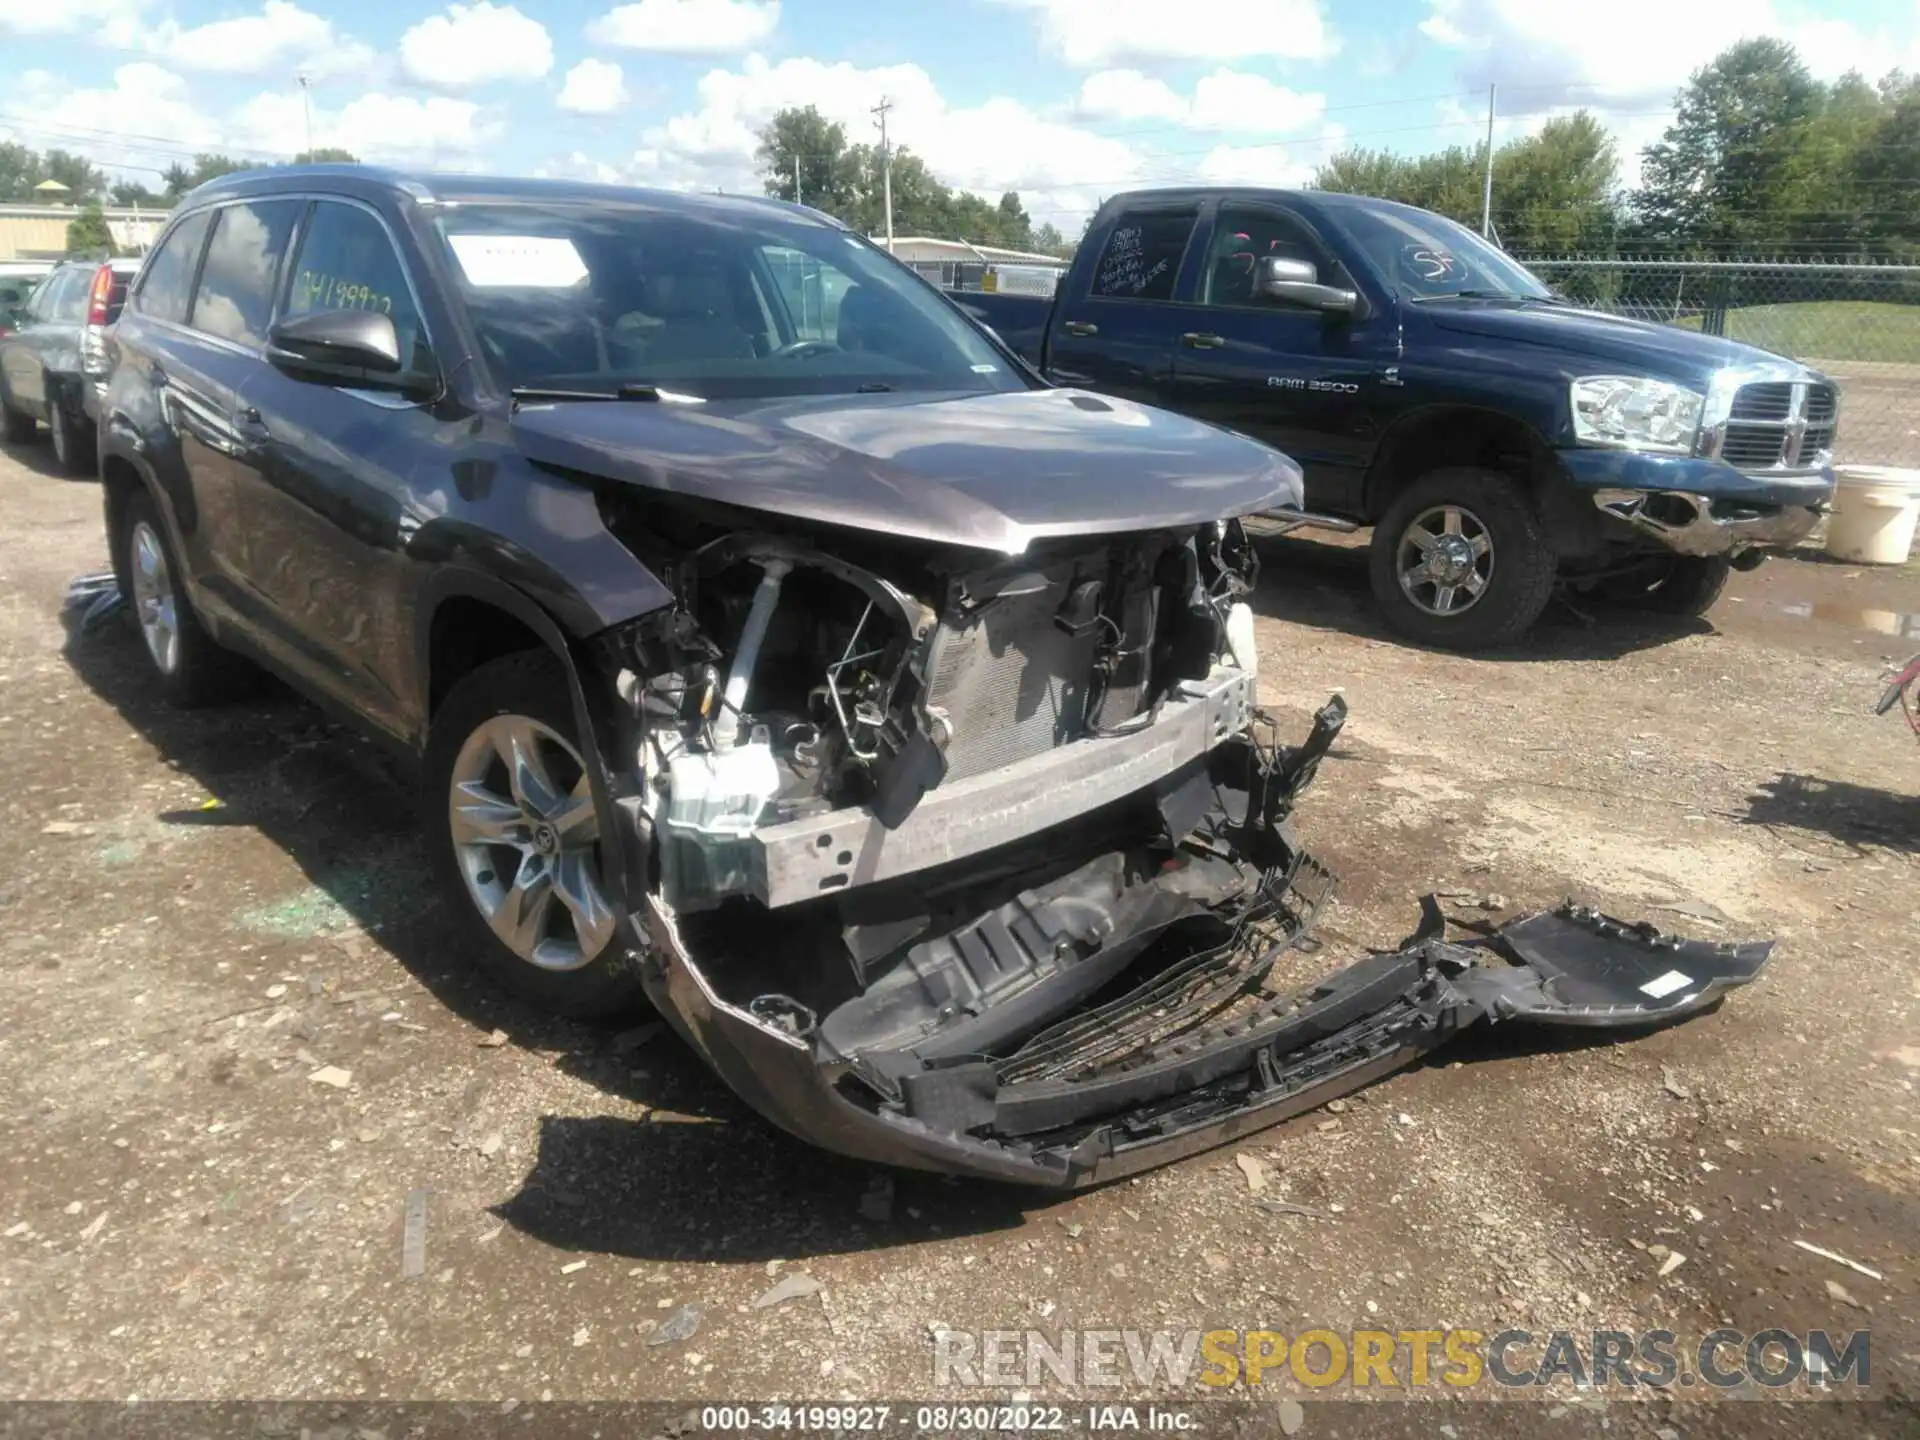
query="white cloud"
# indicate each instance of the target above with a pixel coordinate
(114, 22)
(1545, 57)
(687, 27)
(473, 44)
(1285, 167)
(1129, 95)
(169, 122)
(593, 87)
(396, 129)
(1225, 100)
(279, 36)
(989, 148)
(1094, 33)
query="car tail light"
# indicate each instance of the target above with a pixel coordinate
(101, 295)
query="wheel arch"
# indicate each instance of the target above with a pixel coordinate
(1438, 437)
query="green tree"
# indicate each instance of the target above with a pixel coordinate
(132, 192)
(178, 180)
(1724, 173)
(85, 180)
(326, 155)
(1885, 172)
(87, 235)
(1048, 240)
(19, 171)
(818, 147)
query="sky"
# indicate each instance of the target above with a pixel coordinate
(1065, 101)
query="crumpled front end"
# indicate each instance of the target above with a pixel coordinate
(983, 866)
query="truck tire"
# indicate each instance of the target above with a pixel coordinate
(1670, 584)
(189, 666)
(512, 837)
(1460, 560)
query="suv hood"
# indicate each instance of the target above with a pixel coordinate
(1663, 351)
(991, 471)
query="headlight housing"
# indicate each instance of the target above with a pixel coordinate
(1632, 412)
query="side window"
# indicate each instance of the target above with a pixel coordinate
(40, 303)
(346, 262)
(235, 297)
(1241, 238)
(1142, 257)
(812, 290)
(168, 283)
(69, 302)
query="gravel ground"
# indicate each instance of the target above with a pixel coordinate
(206, 917)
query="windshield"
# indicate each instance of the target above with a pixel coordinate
(1426, 256)
(591, 297)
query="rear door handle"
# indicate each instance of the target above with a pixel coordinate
(1081, 328)
(156, 377)
(252, 423)
(1201, 340)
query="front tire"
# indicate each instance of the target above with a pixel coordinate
(1671, 584)
(514, 840)
(190, 667)
(1460, 560)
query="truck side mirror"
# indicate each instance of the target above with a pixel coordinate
(1298, 283)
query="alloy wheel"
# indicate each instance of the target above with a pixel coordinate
(527, 840)
(1445, 559)
(154, 601)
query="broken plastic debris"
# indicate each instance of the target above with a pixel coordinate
(1672, 1263)
(573, 1266)
(492, 1040)
(795, 1286)
(332, 1075)
(680, 1325)
(1254, 1168)
(1838, 1259)
(413, 1238)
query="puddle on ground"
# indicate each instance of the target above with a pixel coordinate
(1852, 617)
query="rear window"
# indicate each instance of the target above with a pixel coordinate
(235, 298)
(168, 285)
(1141, 259)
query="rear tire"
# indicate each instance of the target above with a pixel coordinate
(1460, 560)
(17, 426)
(1670, 584)
(513, 839)
(75, 446)
(189, 666)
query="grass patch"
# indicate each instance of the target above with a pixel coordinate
(1828, 329)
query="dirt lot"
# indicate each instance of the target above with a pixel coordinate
(200, 912)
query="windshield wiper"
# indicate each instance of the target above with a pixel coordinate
(1493, 295)
(872, 387)
(523, 394)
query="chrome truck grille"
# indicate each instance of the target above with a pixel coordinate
(1012, 682)
(1778, 425)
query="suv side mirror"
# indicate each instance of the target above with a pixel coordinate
(1297, 282)
(342, 347)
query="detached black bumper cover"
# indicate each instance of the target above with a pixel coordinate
(1048, 1125)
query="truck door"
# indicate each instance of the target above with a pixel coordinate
(1305, 381)
(1118, 336)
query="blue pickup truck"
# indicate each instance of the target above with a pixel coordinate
(1499, 439)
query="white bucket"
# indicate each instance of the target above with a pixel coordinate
(1875, 508)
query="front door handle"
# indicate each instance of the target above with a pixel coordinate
(1201, 340)
(1081, 328)
(156, 377)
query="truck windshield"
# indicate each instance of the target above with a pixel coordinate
(1427, 256)
(591, 297)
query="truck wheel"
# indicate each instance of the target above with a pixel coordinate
(1460, 560)
(190, 666)
(1670, 584)
(514, 840)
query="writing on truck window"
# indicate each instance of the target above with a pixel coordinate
(1125, 269)
(317, 290)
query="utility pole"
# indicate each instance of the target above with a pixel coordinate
(1486, 201)
(306, 105)
(796, 177)
(886, 167)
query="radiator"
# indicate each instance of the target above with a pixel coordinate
(1012, 682)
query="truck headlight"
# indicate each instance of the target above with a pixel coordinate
(1631, 412)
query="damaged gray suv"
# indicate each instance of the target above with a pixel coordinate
(781, 649)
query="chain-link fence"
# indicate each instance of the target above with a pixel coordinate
(1858, 323)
